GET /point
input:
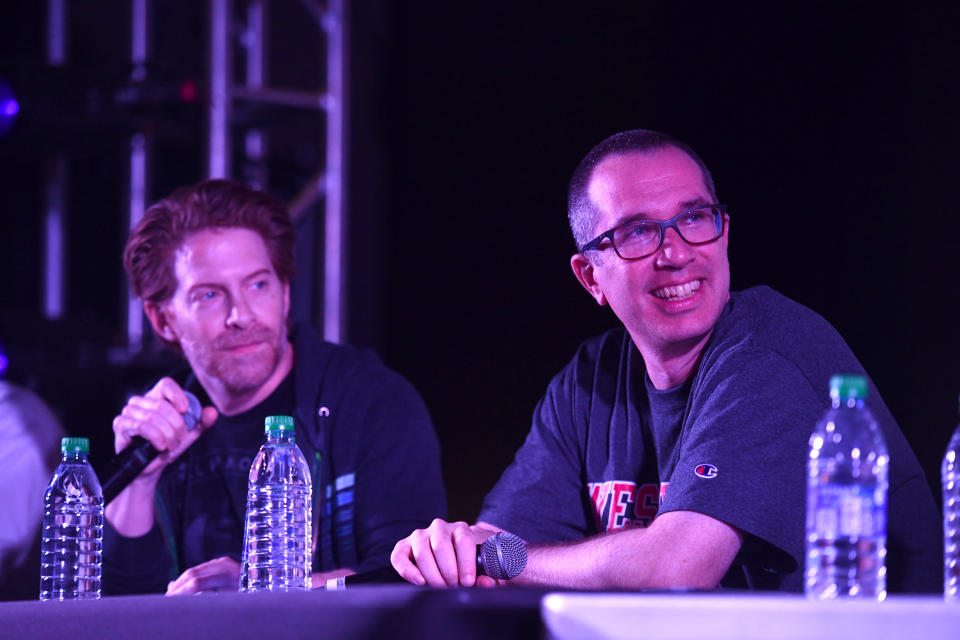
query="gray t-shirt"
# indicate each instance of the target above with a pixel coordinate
(607, 450)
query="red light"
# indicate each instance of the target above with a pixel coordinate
(188, 91)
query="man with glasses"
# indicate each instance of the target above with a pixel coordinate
(672, 452)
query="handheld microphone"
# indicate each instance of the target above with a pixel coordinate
(501, 556)
(128, 464)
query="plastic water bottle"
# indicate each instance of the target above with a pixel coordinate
(277, 540)
(847, 498)
(950, 474)
(72, 527)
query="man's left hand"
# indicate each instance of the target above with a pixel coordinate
(219, 574)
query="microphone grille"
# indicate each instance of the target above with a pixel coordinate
(504, 556)
(192, 416)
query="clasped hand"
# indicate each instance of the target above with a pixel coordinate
(219, 574)
(443, 555)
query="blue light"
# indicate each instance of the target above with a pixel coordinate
(3, 363)
(9, 108)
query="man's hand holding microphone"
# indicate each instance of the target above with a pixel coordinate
(152, 431)
(450, 554)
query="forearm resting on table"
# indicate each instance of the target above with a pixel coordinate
(680, 549)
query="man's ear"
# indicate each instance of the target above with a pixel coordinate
(584, 269)
(158, 319)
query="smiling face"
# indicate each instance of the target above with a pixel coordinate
(229, 312)
(671, 299)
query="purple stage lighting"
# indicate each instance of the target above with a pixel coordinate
(9, 107)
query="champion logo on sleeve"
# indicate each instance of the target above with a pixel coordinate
(706, 471)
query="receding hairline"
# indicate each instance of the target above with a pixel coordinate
(626, 153)
(666, 147)
(582, 205)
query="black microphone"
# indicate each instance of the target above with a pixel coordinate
(128, 464)
(501, 556)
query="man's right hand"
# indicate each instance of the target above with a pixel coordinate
(158, 418)
(219, 574)
(443, 555)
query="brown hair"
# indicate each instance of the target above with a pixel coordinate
(148, 256)
(581, 211)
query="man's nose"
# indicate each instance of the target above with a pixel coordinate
(674, 253)
(240, 314)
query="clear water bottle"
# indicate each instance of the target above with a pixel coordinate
(72, 527)
(277, 549)
(847, 498)
(950, 474)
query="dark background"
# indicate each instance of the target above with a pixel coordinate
(832, 133)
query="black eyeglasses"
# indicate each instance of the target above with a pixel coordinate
(640, 238)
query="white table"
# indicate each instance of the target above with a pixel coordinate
(719, 616)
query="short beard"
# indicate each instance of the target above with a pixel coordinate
(238, 373)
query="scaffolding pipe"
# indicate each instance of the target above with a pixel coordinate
(335, 253)
(139, 160)
(138, 38)
(138, 202)
(55, 183)
(218, 165)
(54, 238)
(283, 97)
(56, 32)
(255, 41)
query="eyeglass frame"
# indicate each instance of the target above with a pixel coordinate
(719, 220)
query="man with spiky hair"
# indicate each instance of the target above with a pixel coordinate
(671, 452)
(213, 264)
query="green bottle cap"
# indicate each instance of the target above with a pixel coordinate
(75, 444)
(849, 386)
(278, 423)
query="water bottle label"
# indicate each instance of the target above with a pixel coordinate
(854, 516)
(826, 522)
(847, 512)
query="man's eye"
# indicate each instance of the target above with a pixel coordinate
(206, 296)
(641, 231)
(259, 284)
(696, 218)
